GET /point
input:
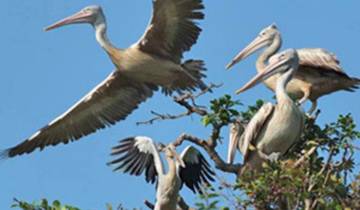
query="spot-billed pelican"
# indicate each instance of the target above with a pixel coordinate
(319, 70)
(139, 154)
(274, 128)
(155, 60)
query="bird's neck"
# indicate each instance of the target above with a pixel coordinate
(262, 61)
(282, 81)
(101, 37)
(172, 166)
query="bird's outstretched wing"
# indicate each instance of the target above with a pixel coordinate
(254, 128)
(197, 171)
(319, 58)
(112, 100)
(172, 29)
(136, 155)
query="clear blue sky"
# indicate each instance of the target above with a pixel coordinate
(43, 74)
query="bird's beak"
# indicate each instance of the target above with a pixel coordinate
(179, 160)
(261, 76)
(233, 141)
(258, 43)
(80, 17)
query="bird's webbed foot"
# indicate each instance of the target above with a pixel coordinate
(273, 157)
(313, 116)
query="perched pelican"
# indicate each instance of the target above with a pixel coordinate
(319, 71)
(274, 128)
(155, 60)
(140, 153)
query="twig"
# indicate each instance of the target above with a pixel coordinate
(327, 177)
(163, 117)
(209, 147)
(192, 108)
(314, 202)
(305, 156)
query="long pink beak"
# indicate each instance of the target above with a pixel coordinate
(261, 76)
(236, 130)
(256, 44)
(80, 17)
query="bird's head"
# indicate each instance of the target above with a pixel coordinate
(280, 63)
(91, 14)
(265, 38)
(170, 152)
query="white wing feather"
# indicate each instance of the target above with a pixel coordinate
(254, 127)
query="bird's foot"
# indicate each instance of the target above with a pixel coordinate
(273, 157)
(313, 116)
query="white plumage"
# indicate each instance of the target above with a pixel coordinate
(138, 155)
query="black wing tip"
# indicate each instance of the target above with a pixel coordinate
(355, 85)
(356, 80)
(128, 139)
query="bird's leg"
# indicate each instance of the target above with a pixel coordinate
(312, 109)
(304, 98)
(273, 157)
(313, 103)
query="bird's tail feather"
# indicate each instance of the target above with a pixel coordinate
(196, 69)
(190, 79)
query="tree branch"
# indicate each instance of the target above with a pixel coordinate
(182, 100)
(305, 156)
(209, 147)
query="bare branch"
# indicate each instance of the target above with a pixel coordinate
(209, 147)
(305, 156)
(182, 100)
(159, 117)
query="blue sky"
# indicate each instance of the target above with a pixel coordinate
(44, 73)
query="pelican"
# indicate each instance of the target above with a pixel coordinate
(139, 154)
(274, 128)
(154, 61)
(319, 70)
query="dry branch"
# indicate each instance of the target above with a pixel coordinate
(183, 100)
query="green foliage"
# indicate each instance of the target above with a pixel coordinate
(251, 111)
(42, 205)
(208, 201)
(55, 205)
(314, 174)
(222, 111)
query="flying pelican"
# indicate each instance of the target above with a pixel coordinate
(155, 60)
(140, 153)
(319, 71)
(274, 128)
